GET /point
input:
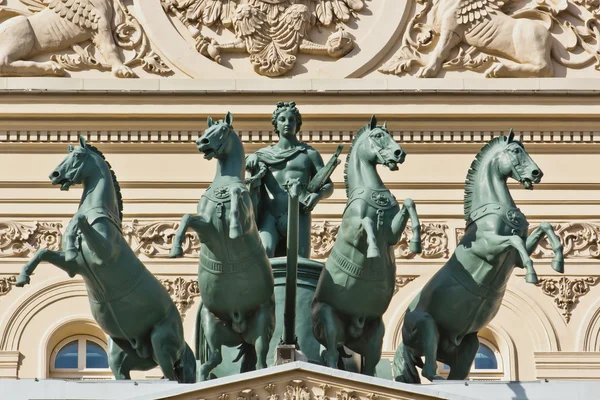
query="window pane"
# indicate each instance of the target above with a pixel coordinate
(95, 356)
(485, 358)
(67, 356)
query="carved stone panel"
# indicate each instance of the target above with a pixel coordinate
(101, 35)
(24, 239)
(579, 239)
(498, 38)
(6, 284)
(182, 292)
(402, 281)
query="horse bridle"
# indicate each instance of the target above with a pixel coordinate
(378, 147)
(515, 163)
(80, 167)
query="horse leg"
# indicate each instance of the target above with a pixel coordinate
(399, 223)
(497, 243)
(328, 329)
(460, 358)
(369, 227)
(17, 41)
(122, 359)
(369, 346)
(106, 45)
(53, 257)
(533, 240)
(260, 332)
(449, 39)
(216, 333)
(421, 337)
(196, 222)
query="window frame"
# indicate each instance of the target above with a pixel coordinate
(482, 374)
(81, 372)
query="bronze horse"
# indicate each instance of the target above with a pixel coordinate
(234, 276)
(126, 300)
(357, 284)
(442, 322)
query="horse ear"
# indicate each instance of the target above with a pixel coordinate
(385, 125)
(373, 122)
(71, 148)
(82, 141)
(209, 121)
(511, 135)
(229, 118)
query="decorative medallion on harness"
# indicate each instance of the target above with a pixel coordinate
(222, 192)
(380, 199)
(512, 216)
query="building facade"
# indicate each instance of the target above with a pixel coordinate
(142, 88)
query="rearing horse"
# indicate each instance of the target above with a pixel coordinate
(126, 300)
(442, 322)
(357, 284)
(234, 277)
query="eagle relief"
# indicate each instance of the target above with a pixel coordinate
(78, 35)
(501, 38)
(272, 32)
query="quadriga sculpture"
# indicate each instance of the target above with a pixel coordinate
(442, 322)
(234, 277)
(357, 284)
(126, 300)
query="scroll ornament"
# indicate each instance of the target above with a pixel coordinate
(271, 32)
(89, 28)
(155, 239)
(504, 39)
(182, 292)
(24, 239)
(565, 291)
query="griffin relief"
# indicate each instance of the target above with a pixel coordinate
(509, 38)
(50, 26)
(272, 32)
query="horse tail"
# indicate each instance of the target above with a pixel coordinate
(238, 322)
(248, 356)
(405, 366)
(357, 326)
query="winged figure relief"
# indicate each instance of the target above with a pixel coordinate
(503, 38)
(51, 26)
(272, 32)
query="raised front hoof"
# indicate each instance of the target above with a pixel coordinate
(558, 265)
(415, 246)
(373, 252)
(22, 280)
(176, 252)
(531, 278)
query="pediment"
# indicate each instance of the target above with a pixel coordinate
(298, 381)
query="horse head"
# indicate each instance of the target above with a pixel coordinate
(379, 147)
(514, 162)
(215, 141)
(74, 167)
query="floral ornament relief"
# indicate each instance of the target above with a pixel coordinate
(182, 292)
(23, 240)
(566, 291)
(402, 281)
(579, 239)
(271, 32)
(6, 284)
(155, 239)
(297, 390)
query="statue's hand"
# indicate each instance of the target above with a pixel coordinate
(311, 201)
(252, 162)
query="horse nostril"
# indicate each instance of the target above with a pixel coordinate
(204, 141)
(398, 153)
(55, 174)
(535, 172)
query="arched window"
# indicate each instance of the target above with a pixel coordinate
(485, 359)
(486, 366)
(80, 357)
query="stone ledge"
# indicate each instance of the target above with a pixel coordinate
(262, 85)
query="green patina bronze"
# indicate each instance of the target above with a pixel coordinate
(442, 322)
(357, 284)
(271, 168)
(235, 278)
(127, 301)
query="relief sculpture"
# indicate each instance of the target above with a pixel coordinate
(272, 32)
(504, 39)
(85, 26)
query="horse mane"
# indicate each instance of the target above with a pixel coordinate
(357, 135)
(114, 179)
(474, 168)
